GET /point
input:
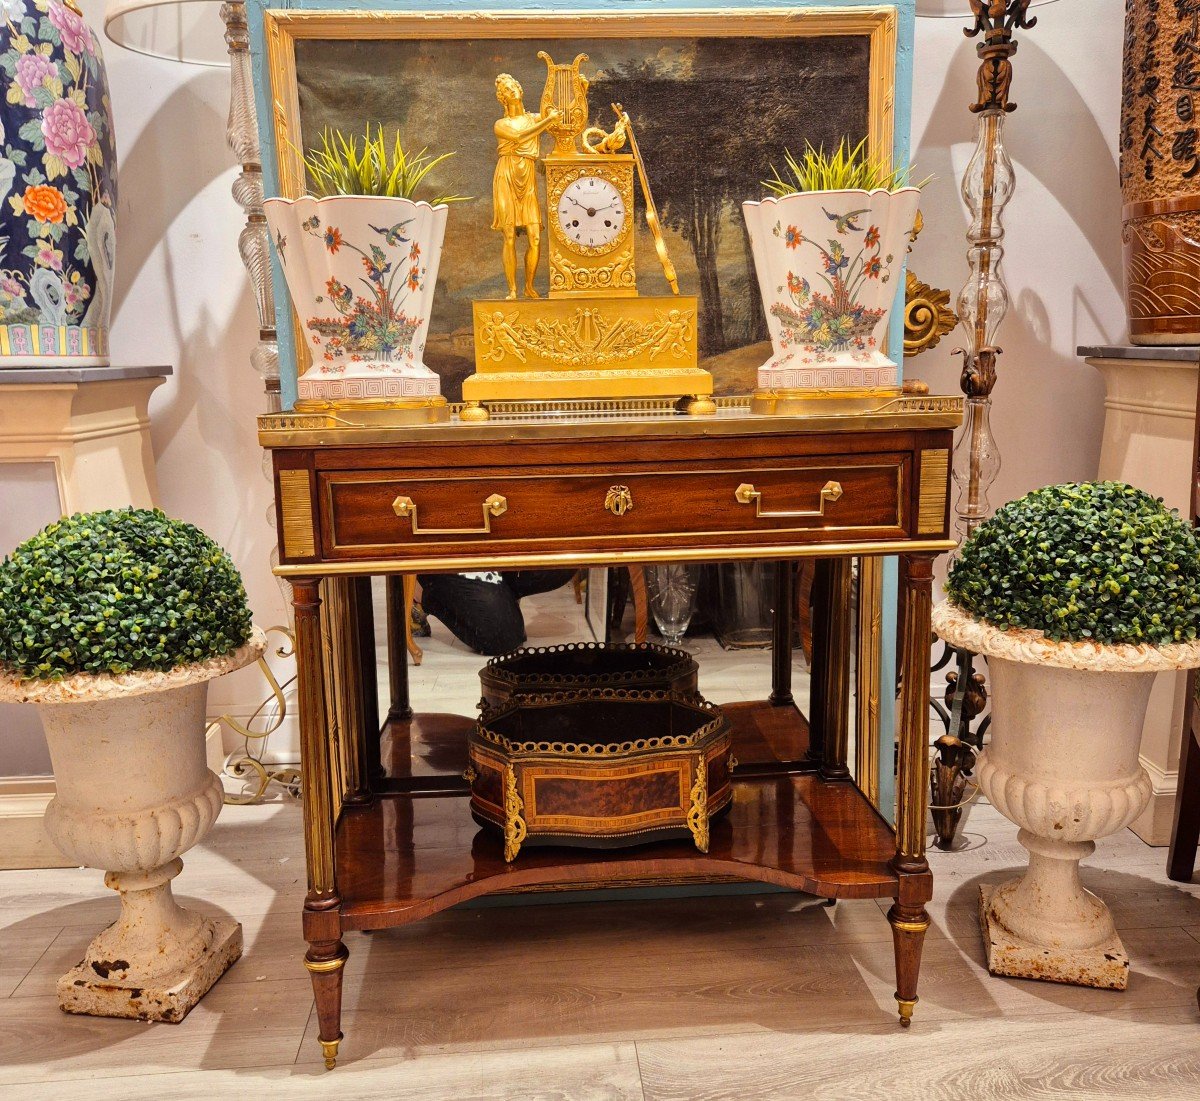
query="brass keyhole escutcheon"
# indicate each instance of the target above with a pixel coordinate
(619, 500)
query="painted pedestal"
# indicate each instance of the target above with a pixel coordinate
(1149, 419)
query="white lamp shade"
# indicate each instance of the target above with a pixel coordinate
(178, 30)
(956, 9)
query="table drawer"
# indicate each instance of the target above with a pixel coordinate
(373, 513)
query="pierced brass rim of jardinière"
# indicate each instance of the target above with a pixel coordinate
(500, 669)
(484, 727)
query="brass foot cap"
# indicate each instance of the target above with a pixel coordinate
(906, 1010)
(329, 1048)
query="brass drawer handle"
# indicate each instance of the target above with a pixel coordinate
(748, 495)
(495, 505)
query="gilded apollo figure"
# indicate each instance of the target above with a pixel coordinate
(514, 187)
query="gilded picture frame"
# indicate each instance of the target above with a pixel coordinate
(293, 45)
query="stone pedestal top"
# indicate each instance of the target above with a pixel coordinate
(1182, 353)
(40, 376)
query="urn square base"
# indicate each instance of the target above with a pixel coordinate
(1105, 967)
(169, 998)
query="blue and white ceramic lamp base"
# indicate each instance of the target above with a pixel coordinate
(58, 190)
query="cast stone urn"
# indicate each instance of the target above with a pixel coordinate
(1063, 765)
(134, 793)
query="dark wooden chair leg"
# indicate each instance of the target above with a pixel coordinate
(369, 680)
(400, 710)
(909, 925)
(781, 635)
(1185, 834)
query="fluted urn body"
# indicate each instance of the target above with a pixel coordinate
(1062, 764)
(133, 794)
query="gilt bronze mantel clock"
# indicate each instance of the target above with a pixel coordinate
(594, 336)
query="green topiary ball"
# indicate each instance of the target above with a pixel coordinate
(1095, 561)
(115, 591)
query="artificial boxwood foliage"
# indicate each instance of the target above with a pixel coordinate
(1098, 561)
(115, 591)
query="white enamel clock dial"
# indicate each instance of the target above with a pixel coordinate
(591, 212)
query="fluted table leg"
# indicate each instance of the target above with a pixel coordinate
(326, 956)
(908, 917)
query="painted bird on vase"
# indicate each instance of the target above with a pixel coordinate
(847, 223)
(393, 236)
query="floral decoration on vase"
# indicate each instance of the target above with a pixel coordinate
(822, 324)
(370, 326)
(58, 189)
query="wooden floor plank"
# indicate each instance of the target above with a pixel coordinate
(597, 1072)
(656, 989)
(1151, 1056)
(236, 1025)
(20, 952)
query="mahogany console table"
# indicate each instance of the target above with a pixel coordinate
(388, 832)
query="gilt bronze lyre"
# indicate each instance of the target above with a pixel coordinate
(566, 90)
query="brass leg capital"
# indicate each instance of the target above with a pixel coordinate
(906, 1007)
(329, 1048)
(323, 967)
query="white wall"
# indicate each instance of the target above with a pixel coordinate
(182, 296)
(1063, 247)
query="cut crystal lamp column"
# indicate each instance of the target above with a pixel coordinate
(189, 31)
(254, 241)
(982, 305)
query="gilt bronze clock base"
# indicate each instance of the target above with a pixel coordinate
(816, 403)
(602, 347)
(376, 412)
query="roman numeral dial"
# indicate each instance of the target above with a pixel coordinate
(591, 212)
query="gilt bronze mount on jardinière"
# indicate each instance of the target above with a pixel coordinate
(608, 768)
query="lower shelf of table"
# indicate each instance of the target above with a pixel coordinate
(402, 857)
(428, 752)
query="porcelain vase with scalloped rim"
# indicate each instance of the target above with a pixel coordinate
(1062, 763)
(829, 266)
(133, 794)
(58, 189)
(361, 271)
